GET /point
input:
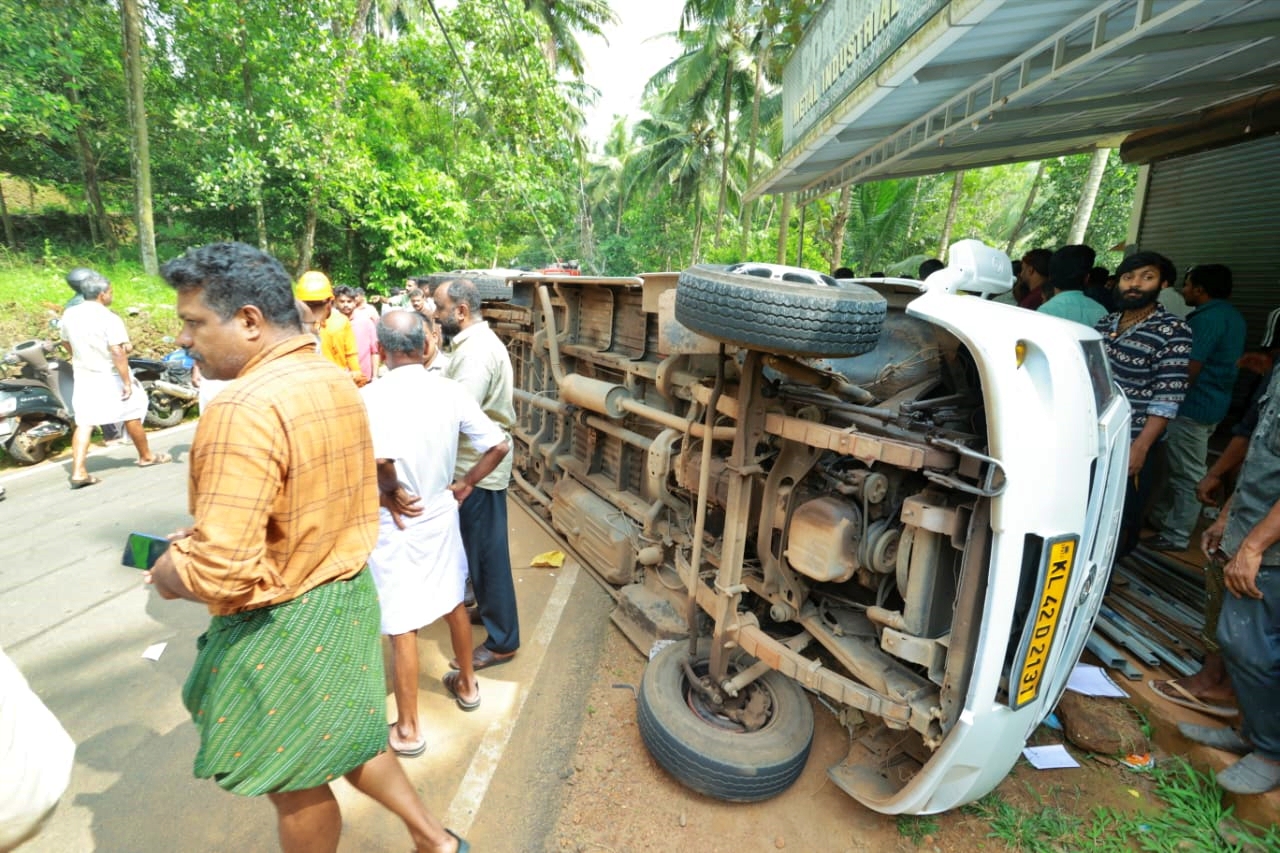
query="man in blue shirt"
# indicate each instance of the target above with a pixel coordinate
(1217, 342)
(1147, 348)
(1068, 272)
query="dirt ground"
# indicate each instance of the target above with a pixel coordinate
(619, 800)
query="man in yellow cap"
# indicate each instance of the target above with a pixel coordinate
(337, 338)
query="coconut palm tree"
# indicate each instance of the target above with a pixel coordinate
(563, 21)
(715, 74)
(675, 149)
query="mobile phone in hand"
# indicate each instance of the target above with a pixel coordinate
(142, 550)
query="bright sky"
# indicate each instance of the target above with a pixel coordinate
(620, 68)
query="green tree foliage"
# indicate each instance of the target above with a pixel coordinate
(560, 22)
(385, 138)
(1050, 220)
(62, 118)
(424, 152)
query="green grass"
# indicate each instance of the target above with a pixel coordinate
(1190, 818)
(916, 827)
(1041, 831)
(30, 282)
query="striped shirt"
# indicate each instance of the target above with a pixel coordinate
(283, 486)
(1149, 363)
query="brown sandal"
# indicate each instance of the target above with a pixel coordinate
(450, 682)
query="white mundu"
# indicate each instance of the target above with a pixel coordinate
(92, 329)
(415, 418)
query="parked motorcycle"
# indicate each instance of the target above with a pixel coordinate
(33, 409)
(169, 386)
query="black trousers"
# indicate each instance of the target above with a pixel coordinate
(483, 519)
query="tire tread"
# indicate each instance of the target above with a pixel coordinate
(769, 315)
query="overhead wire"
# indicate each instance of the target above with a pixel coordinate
(523, 73)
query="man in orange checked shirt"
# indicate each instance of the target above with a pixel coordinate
(287, 690)
(337, 338)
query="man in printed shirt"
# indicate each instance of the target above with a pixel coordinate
(1148, 350)
(287, 688)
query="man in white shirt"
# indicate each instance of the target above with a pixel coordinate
(419, 564)
(105, 391)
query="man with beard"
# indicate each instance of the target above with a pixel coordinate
(479, 361)
(1148, 349)
(364, 327)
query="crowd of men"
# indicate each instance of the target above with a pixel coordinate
(1178, 370)
(1179, 374)
(299, 403)
(313, 402)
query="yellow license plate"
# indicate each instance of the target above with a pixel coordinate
(1037, 644)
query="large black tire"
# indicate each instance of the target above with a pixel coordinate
(780, 316)
(712, 754)
(487, 286)
(162, 410)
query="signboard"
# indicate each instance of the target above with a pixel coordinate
(846, 41)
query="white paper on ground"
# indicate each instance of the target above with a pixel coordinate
(1049, 757)
(1093, 681)
(154, 651)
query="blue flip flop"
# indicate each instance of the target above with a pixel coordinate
(463, 845)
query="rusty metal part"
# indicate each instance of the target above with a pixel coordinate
(743, 462)
(700, 517)
(827, 381)
(868, 448)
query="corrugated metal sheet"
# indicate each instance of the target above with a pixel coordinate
(1219, 207)
(999, 81)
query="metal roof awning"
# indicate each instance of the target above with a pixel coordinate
(895, 88)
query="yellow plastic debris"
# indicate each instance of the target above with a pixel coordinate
(548, 560)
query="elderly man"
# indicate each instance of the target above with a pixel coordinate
(1147, 348)
(287, 689)
(1246, 537)
(419, 564)
(480, 363)
(337, 338)
(105, 391)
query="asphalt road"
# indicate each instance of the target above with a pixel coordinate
(77, 623)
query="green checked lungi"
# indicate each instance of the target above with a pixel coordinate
(292, 696)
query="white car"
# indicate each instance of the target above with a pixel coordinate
(899, 498)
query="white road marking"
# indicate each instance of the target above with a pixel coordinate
(475, 783)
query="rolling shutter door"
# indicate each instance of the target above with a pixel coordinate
(1222, 206)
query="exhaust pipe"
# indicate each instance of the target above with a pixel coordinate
(32, 352)
(181, 392)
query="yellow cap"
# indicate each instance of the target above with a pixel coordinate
(313, 286)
